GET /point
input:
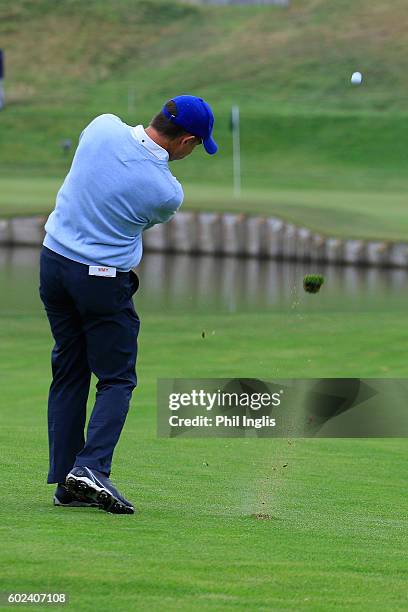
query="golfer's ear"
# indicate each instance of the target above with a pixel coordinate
(188, 139)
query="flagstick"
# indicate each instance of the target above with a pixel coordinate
(236, 148)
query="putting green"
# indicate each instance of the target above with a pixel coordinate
(339, 213)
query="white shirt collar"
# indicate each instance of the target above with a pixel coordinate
(142, 138)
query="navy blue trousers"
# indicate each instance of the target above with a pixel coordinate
(95, 329)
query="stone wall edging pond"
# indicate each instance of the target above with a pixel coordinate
(240, 235)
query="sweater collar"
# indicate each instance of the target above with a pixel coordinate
(144, 139)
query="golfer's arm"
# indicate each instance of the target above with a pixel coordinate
(162, 214)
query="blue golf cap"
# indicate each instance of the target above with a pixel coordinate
(196, 117)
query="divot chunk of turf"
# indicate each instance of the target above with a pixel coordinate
(313, 282)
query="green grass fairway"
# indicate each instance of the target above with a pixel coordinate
(337, 533)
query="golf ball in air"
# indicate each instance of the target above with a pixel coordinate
(356, 78)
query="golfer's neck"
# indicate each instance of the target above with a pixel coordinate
(158, 138)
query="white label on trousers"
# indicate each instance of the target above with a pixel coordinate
(101, 271)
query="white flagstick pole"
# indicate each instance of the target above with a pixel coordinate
(236, 148)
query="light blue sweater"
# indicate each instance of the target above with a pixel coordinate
(119, 184)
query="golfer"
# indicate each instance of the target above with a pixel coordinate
(118, 186)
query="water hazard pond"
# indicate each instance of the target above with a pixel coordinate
(183, 283)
